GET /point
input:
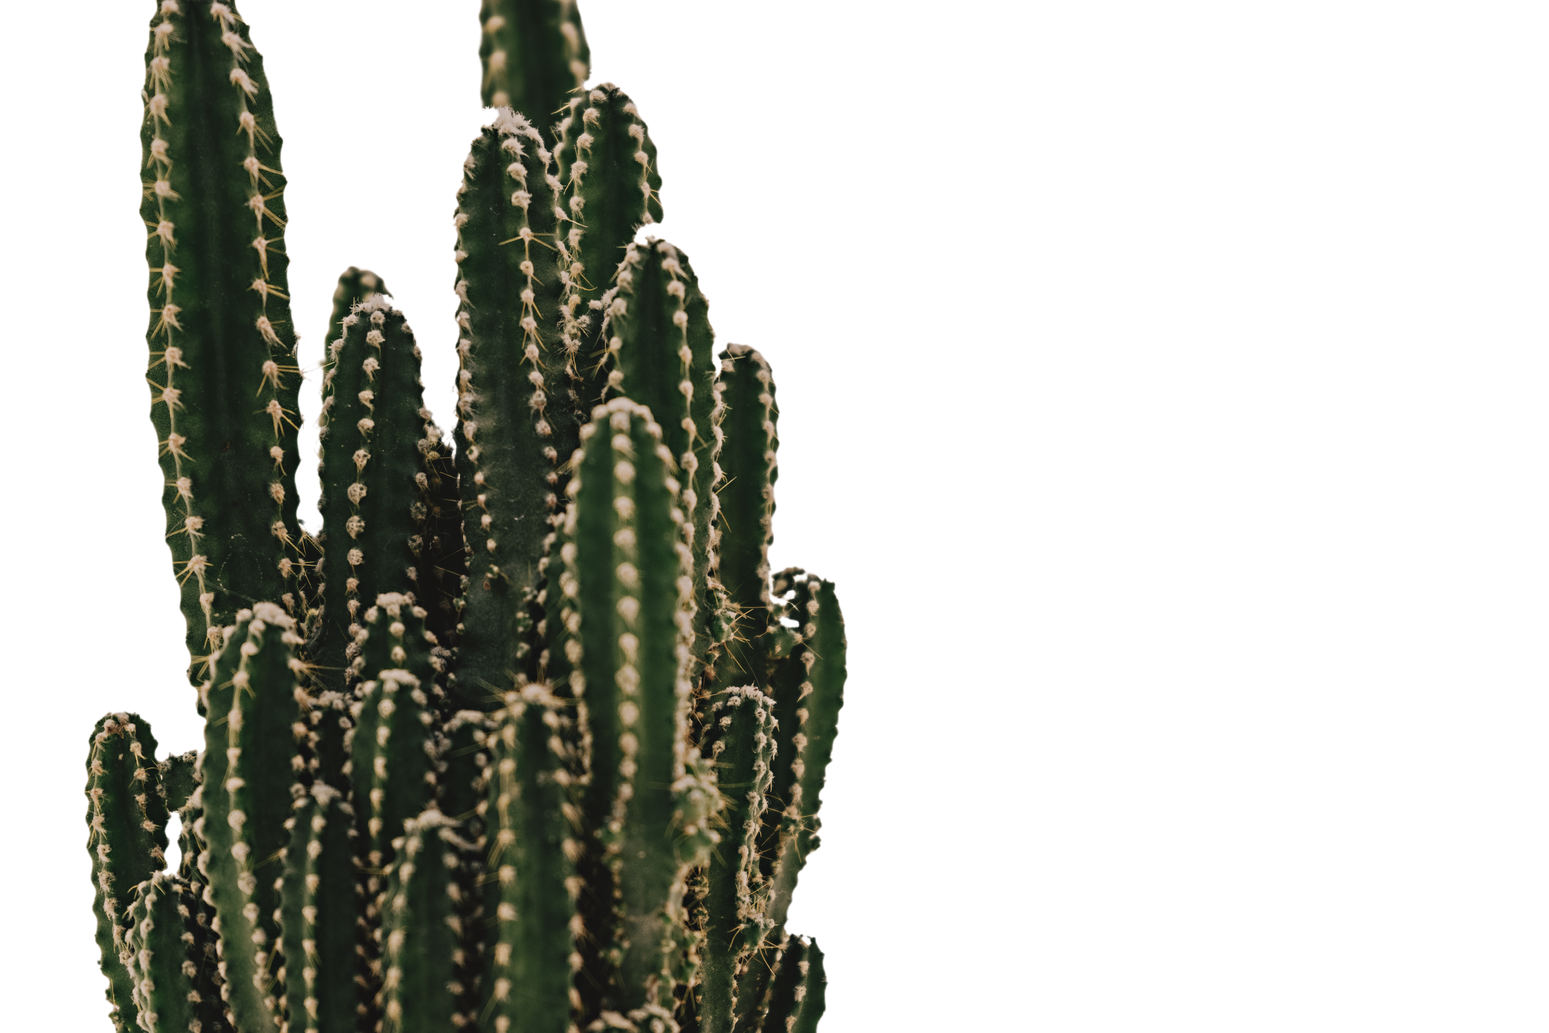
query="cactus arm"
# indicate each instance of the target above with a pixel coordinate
(659, 346)
(607, 162)
(532, 863)
(741, 740)
(162, 941)
(246, 774)
(744, 532)
(318, 913)
(440, 557)
(126, 819)
(375, 430)
(223, 368)
(534, 54)
(355, 286)
(512, 438)
(423, 928)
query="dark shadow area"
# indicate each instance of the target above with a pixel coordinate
(96, 612)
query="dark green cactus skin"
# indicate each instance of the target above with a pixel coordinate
(223, 370)
(797, 990)
(534, 54)
(440, 557)
(745, 530)
(179, 778)
(127, 818)
(249, 764)
(532, 856)
(318, 910)
(659, 346)
(741, 739)
(606, 160)
(375, 432)
(510, 438)
(171, 988)
(423, 922)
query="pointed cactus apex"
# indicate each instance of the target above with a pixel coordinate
(355, 286)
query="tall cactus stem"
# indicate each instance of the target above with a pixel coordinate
(798, 990)
(354, 286)
(162, 940)
(223, 370)
(318, 908)
(534, 54)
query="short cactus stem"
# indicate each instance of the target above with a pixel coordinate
(375, 433)
(220, 334)
(249, 764)
(126, 816)
(515, 426)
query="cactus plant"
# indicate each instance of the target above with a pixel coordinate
(526, 738)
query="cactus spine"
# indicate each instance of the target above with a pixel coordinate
(526, 738)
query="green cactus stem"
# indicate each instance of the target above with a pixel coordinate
(249, 764)
(171, 992)
(127, 817)
(534, 54)
(532, 858)
(744, 530)
(355, 286)
(606, 160)
(424, 915)
(511, 439)
(659, 349)
(627, 589)
(375, 432)
(318, 912)
(223, 370)
(797, 991)
(741, 737)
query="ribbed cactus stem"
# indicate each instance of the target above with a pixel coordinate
(318, 909)
(607, 162)
(424, 915)
(532, 853)
(253, 722)
(127, 817)
(162, 940)
(375, 432)
(740, 733)
(534, 53)
(627, 589)
(659, 346)
(512, 436)
(744, 530)
(798, 990)
(223, 370)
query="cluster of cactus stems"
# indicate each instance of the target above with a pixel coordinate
(527, 738)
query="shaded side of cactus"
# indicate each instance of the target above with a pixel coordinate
(223, 371)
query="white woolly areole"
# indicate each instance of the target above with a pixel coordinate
(375, 303)
(269, 613)
(511, 123)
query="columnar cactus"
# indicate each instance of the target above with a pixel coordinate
(526, 738)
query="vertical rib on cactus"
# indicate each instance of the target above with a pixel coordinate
(532, 859)
(627, 588)
(606, 159)
(318, 908)
(797, 991)
(740, 735)
(744, 532)
(659, 347)
(423, 927)
(375, 432)
(223, 370)
(534, 54)
(251, 702)
(510, 438)
(127, 819)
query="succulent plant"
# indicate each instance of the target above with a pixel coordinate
(526, 737)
